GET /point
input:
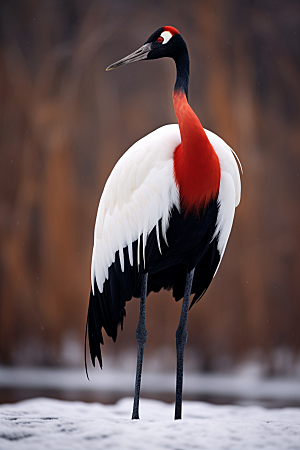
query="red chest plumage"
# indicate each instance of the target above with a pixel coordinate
(196, 165)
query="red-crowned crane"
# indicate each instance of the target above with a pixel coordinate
(164, 217)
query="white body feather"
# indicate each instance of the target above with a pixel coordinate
(141, 190)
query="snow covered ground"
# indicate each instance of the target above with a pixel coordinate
(42, 423)
(53, 424)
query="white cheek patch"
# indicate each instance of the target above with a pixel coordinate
(166, 35)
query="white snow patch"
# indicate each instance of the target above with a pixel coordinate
(52, 424)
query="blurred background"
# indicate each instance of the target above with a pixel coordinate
(64, 122)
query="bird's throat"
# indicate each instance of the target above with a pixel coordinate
(196, 165)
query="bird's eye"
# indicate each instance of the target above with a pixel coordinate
(160, 40)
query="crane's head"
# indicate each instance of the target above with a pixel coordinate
(164, 42)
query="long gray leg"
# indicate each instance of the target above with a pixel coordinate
(141, 338)
(181, 338)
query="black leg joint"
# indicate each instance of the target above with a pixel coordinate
(141, 334)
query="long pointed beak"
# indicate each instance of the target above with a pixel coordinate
(138, 55)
